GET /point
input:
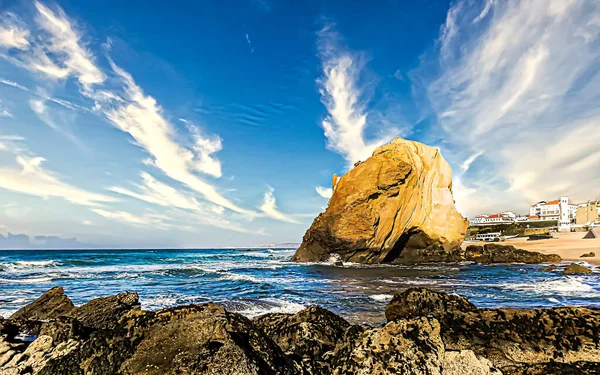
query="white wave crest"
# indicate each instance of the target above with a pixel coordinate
(381, 297)
(267, 306)
(568, 286)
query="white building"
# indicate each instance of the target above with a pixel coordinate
(507, 217)
(491, 237)
(559, 210)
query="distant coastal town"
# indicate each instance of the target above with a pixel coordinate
(556, 215)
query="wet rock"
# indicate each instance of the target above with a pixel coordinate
(105, 312)
(591, 254)
(396, 206)
(416, 302)
(428, 333)
(495, 253)
(50, 305)
(402, 347)
(509, 338)
(205, 339)
(575, 269)
(307, 335)
(550, 268)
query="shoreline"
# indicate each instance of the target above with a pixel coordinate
(424, 332)
(569, 246)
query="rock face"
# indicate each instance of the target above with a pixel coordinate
(516, 341)
(51, 304)
(427, 333)
(396, 206)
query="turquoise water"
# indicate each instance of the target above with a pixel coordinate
(257, 281)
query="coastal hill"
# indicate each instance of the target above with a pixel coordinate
(394, 207)
(426, 333)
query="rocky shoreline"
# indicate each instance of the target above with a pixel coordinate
(427, 332)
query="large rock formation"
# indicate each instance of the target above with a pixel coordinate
(427, 333)
(396, 206)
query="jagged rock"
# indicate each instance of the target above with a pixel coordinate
(402, 347)
(396, 206)
(591, 254)
(512, 339)
(465, 362)
(105, 312)
(575, 269)
(495, 253)
(51, 304)
(416, 302)
(429, 333)
(307, 335)
(205, 339)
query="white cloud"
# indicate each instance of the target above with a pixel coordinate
(340, 93)
(205, 146)
(64, 44)
(143, 119)
(87, 222)
(129, 218)
(156, 192)
(269, 207)
(324, 192)
(520, 80)
(31, 178)
(12, 33)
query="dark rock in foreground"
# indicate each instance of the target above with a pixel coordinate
(428, 333)
(50, 305)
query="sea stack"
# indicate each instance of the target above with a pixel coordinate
(394, 207)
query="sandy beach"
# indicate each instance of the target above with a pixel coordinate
(570, 246)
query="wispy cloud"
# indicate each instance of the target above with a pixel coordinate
(156, 192)
(269, 207)
(13, 34)
(520, 79)
(129, 218)
(344, 99)
(31, 178)
(324, 192)
(65, 45)
(143, 119)
(44, 113)
(249, 43)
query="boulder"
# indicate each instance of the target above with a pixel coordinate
(428, 333)
(591, 254)
(576, 269)
(49, 305)
(205, 339)
(396, 206)
(496, 253)
(550, 268)
(416, 302)
(105, 312)
(512, 339)
(307, 335)
(401, 347)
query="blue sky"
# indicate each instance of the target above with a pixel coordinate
(144, 124)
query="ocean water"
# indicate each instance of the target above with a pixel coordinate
(258, 281)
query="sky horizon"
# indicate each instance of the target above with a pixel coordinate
(147, 125)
